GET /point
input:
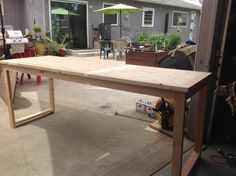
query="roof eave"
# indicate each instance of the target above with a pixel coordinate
(193, 7)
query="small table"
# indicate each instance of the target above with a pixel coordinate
(171, 83)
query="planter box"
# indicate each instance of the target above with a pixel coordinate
(144, 58)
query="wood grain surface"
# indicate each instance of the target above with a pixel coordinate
(165, 79)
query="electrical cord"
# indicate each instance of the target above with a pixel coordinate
(228, 160)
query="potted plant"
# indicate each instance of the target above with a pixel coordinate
(173, 40)
(157, 41)
(37, 31)
(54, 48)
(62, 50)
(151, 58)
(142, 38)
(38, 40)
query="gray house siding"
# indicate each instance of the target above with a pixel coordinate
(29, 12)
(14, 13)
(23, 14)
(35, 13)
(184, 30)
(132, 24)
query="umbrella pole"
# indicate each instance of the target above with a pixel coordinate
(120, 25)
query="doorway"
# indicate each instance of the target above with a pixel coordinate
(69, 23)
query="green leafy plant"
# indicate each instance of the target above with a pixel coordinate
(38, 32)
(52, 45)
(56, 48)
(173, 40)
(142, 38)
(37, 28)
(157, 40)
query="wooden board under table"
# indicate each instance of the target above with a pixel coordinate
(176, 84)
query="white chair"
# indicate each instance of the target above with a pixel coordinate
(127, 39)
(119, 47)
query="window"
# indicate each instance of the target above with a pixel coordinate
(148, 17)
(180, 19)
(1, 2)
(110, 19)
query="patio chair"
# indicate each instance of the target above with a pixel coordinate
(129, 41)
(120, 46)
(105, 48)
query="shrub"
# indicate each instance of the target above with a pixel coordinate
(157, 40)
(142, 38)
(172, 40)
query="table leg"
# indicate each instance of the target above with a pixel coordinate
(9, 97)
(198, 130)
(199, 124)
(178, 134)
(51, 93)
(20, 121)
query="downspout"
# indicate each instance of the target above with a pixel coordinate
(120, 25)
(3, 32)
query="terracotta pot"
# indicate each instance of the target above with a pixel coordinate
(51, 53)
(62, 52)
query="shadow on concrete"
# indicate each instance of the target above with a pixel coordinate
(82, 140)
(21, 102)
(89, 143)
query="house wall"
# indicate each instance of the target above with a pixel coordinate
(29, 12)
(23, 14)
(14, 13)
(133, 23)
(35, 13)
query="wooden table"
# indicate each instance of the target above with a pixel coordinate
(176, 84)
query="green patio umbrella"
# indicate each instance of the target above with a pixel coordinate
(62, 11)
(120, 9)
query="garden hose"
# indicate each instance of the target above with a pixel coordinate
(165, 113)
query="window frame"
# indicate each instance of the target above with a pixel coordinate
(153, 16)
(180, 25)
(117, 18)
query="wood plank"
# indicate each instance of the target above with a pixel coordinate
(189, 164)
(178, 134)
(51, 93)
(103, 83)
(167, 79)
(9, 99)
(199, 122)
(32, 117)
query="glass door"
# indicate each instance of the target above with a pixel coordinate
(69, 23)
